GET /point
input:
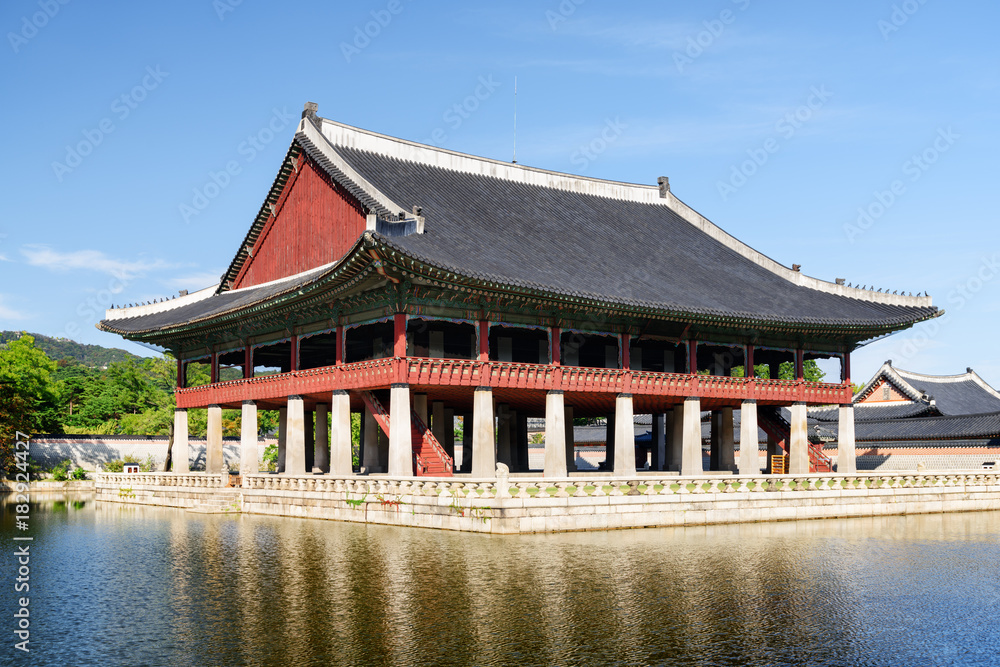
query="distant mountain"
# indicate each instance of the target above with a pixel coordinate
(93, 356)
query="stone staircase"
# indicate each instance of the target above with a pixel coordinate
(429, 457)
(222, 502)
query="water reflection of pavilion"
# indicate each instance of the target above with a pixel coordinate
(417, 285)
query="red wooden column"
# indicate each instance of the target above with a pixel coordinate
(180, 374)
(338, 354)
(748, 370)
(213, 373)
(294, 362)
(484, 340)
(692, 356)
(399, 335)
(555, 350)
(845, 369)
(625, 341)
(399, 347)
(248, 361)
(800, 364)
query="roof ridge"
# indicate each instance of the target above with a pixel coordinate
(352, 138)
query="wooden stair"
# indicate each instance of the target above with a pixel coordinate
(772, 423)
(429, 457)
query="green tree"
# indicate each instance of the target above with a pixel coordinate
(27, 372)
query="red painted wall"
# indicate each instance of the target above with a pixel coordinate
(317, 222)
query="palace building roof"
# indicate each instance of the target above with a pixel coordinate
(962, 394)
(510, 228)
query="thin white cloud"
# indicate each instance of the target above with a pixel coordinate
(90, 260)
(8, 313)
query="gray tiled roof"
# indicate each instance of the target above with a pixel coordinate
(960, 395)
(585, 245)
(874, 411)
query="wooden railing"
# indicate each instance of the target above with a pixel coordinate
(380, 373)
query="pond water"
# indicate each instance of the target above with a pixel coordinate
(116, 585)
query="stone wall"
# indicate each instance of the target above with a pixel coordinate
(520, 505)
(91, 451)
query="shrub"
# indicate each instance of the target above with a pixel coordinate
(60, 472)
(78, 473)
(269, 459)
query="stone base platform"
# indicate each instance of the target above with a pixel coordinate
(524, 505)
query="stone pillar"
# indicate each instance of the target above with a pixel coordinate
(483, 443)
(340, 418)
(449, 433)
(772, 450)
(213, 455)
(677, 438)
(749, 452)
(322, 457)
(181, 455)
(295, 446)
(847, 461)
(798, 459)
(310, 440)
(521, 433)
(503, 436)
(400, 429)
(727, 442)
(570, 440)
(437, 421)
(609, 446)
(624, 436)
(282, 437)
(659, 446)
(248, 439)
(715, 440)
(555, 435)
(467, 432)
(420, 407)
(691, 463)
(369, 441)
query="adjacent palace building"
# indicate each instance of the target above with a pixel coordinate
(416, 285)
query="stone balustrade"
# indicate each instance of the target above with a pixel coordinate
(115, 480)
(376, 489)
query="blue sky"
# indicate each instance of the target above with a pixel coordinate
(858, 139)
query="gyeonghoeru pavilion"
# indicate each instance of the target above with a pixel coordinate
(415, 285)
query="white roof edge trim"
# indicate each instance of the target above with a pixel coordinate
(887, 371)
(149, 309)
(322, 143)
(277, 281)
(351, 137)
(961, 377)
